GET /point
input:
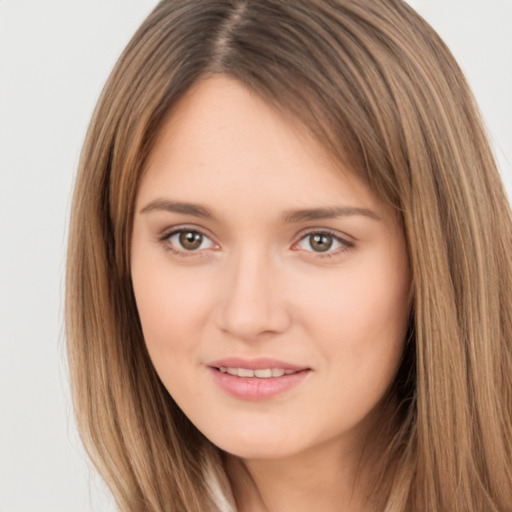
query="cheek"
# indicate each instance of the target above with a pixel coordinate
(360, 322)
(358, 306)
(173, 309)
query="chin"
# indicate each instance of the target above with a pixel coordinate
(251, 445)
(262, 451)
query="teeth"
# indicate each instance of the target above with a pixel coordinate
(264, 373)
(243, 372)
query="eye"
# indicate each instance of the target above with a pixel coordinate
(323, 242)
(189, 240)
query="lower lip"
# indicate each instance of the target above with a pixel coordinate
(254, 388)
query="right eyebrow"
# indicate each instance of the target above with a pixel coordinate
(193, 209)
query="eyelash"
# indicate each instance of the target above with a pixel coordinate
(345, 245)
(182, 253)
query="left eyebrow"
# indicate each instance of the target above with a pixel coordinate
(333, 212)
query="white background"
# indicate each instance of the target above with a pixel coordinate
(55, 56)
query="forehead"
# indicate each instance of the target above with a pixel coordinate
(223, 141)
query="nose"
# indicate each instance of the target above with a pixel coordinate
(252, 303)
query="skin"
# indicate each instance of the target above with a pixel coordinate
(257, 287)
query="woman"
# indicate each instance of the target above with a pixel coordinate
(289, 270)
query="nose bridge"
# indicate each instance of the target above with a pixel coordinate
(252, 301)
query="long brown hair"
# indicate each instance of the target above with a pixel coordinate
(382, 93)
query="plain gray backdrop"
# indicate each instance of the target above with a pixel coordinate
(55, 56)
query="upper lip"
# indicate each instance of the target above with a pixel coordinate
(255, 364)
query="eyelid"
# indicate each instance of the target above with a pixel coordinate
(165, 236)
(346, 242)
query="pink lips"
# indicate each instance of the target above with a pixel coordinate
(256, 388)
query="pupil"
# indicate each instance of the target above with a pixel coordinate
(190, 240)
(321, 242)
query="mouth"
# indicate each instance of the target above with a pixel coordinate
(261, 373)
(259, 379)
(261, 368)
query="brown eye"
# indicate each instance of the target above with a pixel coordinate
(321, 242)
(190, 240)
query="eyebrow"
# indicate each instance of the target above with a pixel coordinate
(179, 207)
(289, 217)
(333, 212)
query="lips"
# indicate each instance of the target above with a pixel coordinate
(262, 373)
(255, 364)
(256, 379)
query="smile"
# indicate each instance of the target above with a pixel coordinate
(256, 379)
(263, 373)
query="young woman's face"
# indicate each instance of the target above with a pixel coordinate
(272, 287)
